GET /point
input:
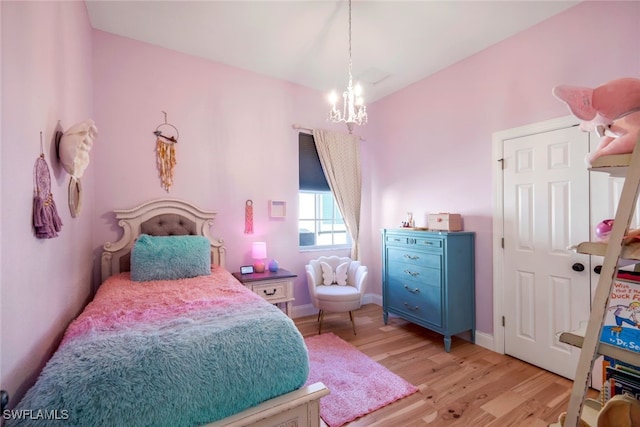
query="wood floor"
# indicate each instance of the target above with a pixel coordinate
(470, 386)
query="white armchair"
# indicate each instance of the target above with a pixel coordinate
(336, 284)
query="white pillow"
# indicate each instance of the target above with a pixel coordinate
(339, 276)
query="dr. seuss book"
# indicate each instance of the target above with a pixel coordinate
(622, 322)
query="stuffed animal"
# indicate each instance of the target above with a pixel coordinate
(611, 109)
(621, 410)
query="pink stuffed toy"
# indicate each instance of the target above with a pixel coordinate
(611, 109)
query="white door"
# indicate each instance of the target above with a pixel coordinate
(546, 210)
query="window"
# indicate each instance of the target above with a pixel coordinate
(320, 223)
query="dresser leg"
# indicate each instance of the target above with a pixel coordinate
(385, 317)
(447, 343)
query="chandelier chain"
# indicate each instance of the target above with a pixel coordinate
(350, 62)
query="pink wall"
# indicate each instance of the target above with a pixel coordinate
(432, 151)
(46, 77)
(236, 143)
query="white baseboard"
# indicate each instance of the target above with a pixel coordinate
(485, 340)
(303, 310)
(372, 299)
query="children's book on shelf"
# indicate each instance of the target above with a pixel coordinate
(619, 378)
(622, 322)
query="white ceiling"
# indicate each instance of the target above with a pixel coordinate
(306, 42)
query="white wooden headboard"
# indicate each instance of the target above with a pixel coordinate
(158, 217)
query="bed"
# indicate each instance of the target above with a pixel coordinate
(172, 338)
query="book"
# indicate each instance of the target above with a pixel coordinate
(621, 325)
(619, 378)
(621, 382)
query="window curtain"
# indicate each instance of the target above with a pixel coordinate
(340, 158)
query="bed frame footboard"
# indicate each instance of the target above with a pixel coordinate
(300, 408)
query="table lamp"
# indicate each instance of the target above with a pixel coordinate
(258, 253)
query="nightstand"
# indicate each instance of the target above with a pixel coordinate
(275, 287)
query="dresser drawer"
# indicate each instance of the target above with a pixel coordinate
(275, 291)
(414, 257)
(416, 299)
(415, 273)
(416, 242)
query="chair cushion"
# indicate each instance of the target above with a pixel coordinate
(337, 293)
(337, 275)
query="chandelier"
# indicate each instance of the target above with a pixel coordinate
(354, 112)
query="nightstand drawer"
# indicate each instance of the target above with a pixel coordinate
(275, 291)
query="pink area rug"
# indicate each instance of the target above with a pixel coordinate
(358, 385)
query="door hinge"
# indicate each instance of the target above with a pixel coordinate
(503, 321)
(502, 243)
(501, 163)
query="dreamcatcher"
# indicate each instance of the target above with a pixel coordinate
(166, 140)
(46, 221)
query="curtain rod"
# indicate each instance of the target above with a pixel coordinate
(299, 127)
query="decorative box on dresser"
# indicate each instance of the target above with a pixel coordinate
(428, 278)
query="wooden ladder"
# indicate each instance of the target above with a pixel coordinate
(591, 347)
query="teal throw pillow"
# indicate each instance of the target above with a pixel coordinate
(170, 257)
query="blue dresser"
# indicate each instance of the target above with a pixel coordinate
(428, 278)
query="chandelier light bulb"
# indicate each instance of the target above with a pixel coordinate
(333, 98)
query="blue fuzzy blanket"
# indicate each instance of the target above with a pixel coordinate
(167, 353)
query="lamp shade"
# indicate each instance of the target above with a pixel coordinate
(259, 250)
(258, 253)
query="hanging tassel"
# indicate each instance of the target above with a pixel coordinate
(56, 221)
(46, 221)
(37, 212)
(248, 217)
(166, 162)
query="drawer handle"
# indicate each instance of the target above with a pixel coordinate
(412, 258)
(412, 273)
(413, 291)
(411, 308)
(397, 240)
(269, 293)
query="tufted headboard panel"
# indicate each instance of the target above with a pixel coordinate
(162, 217)
(168, 225)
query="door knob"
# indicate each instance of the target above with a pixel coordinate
(597, 269)
(577, 267)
